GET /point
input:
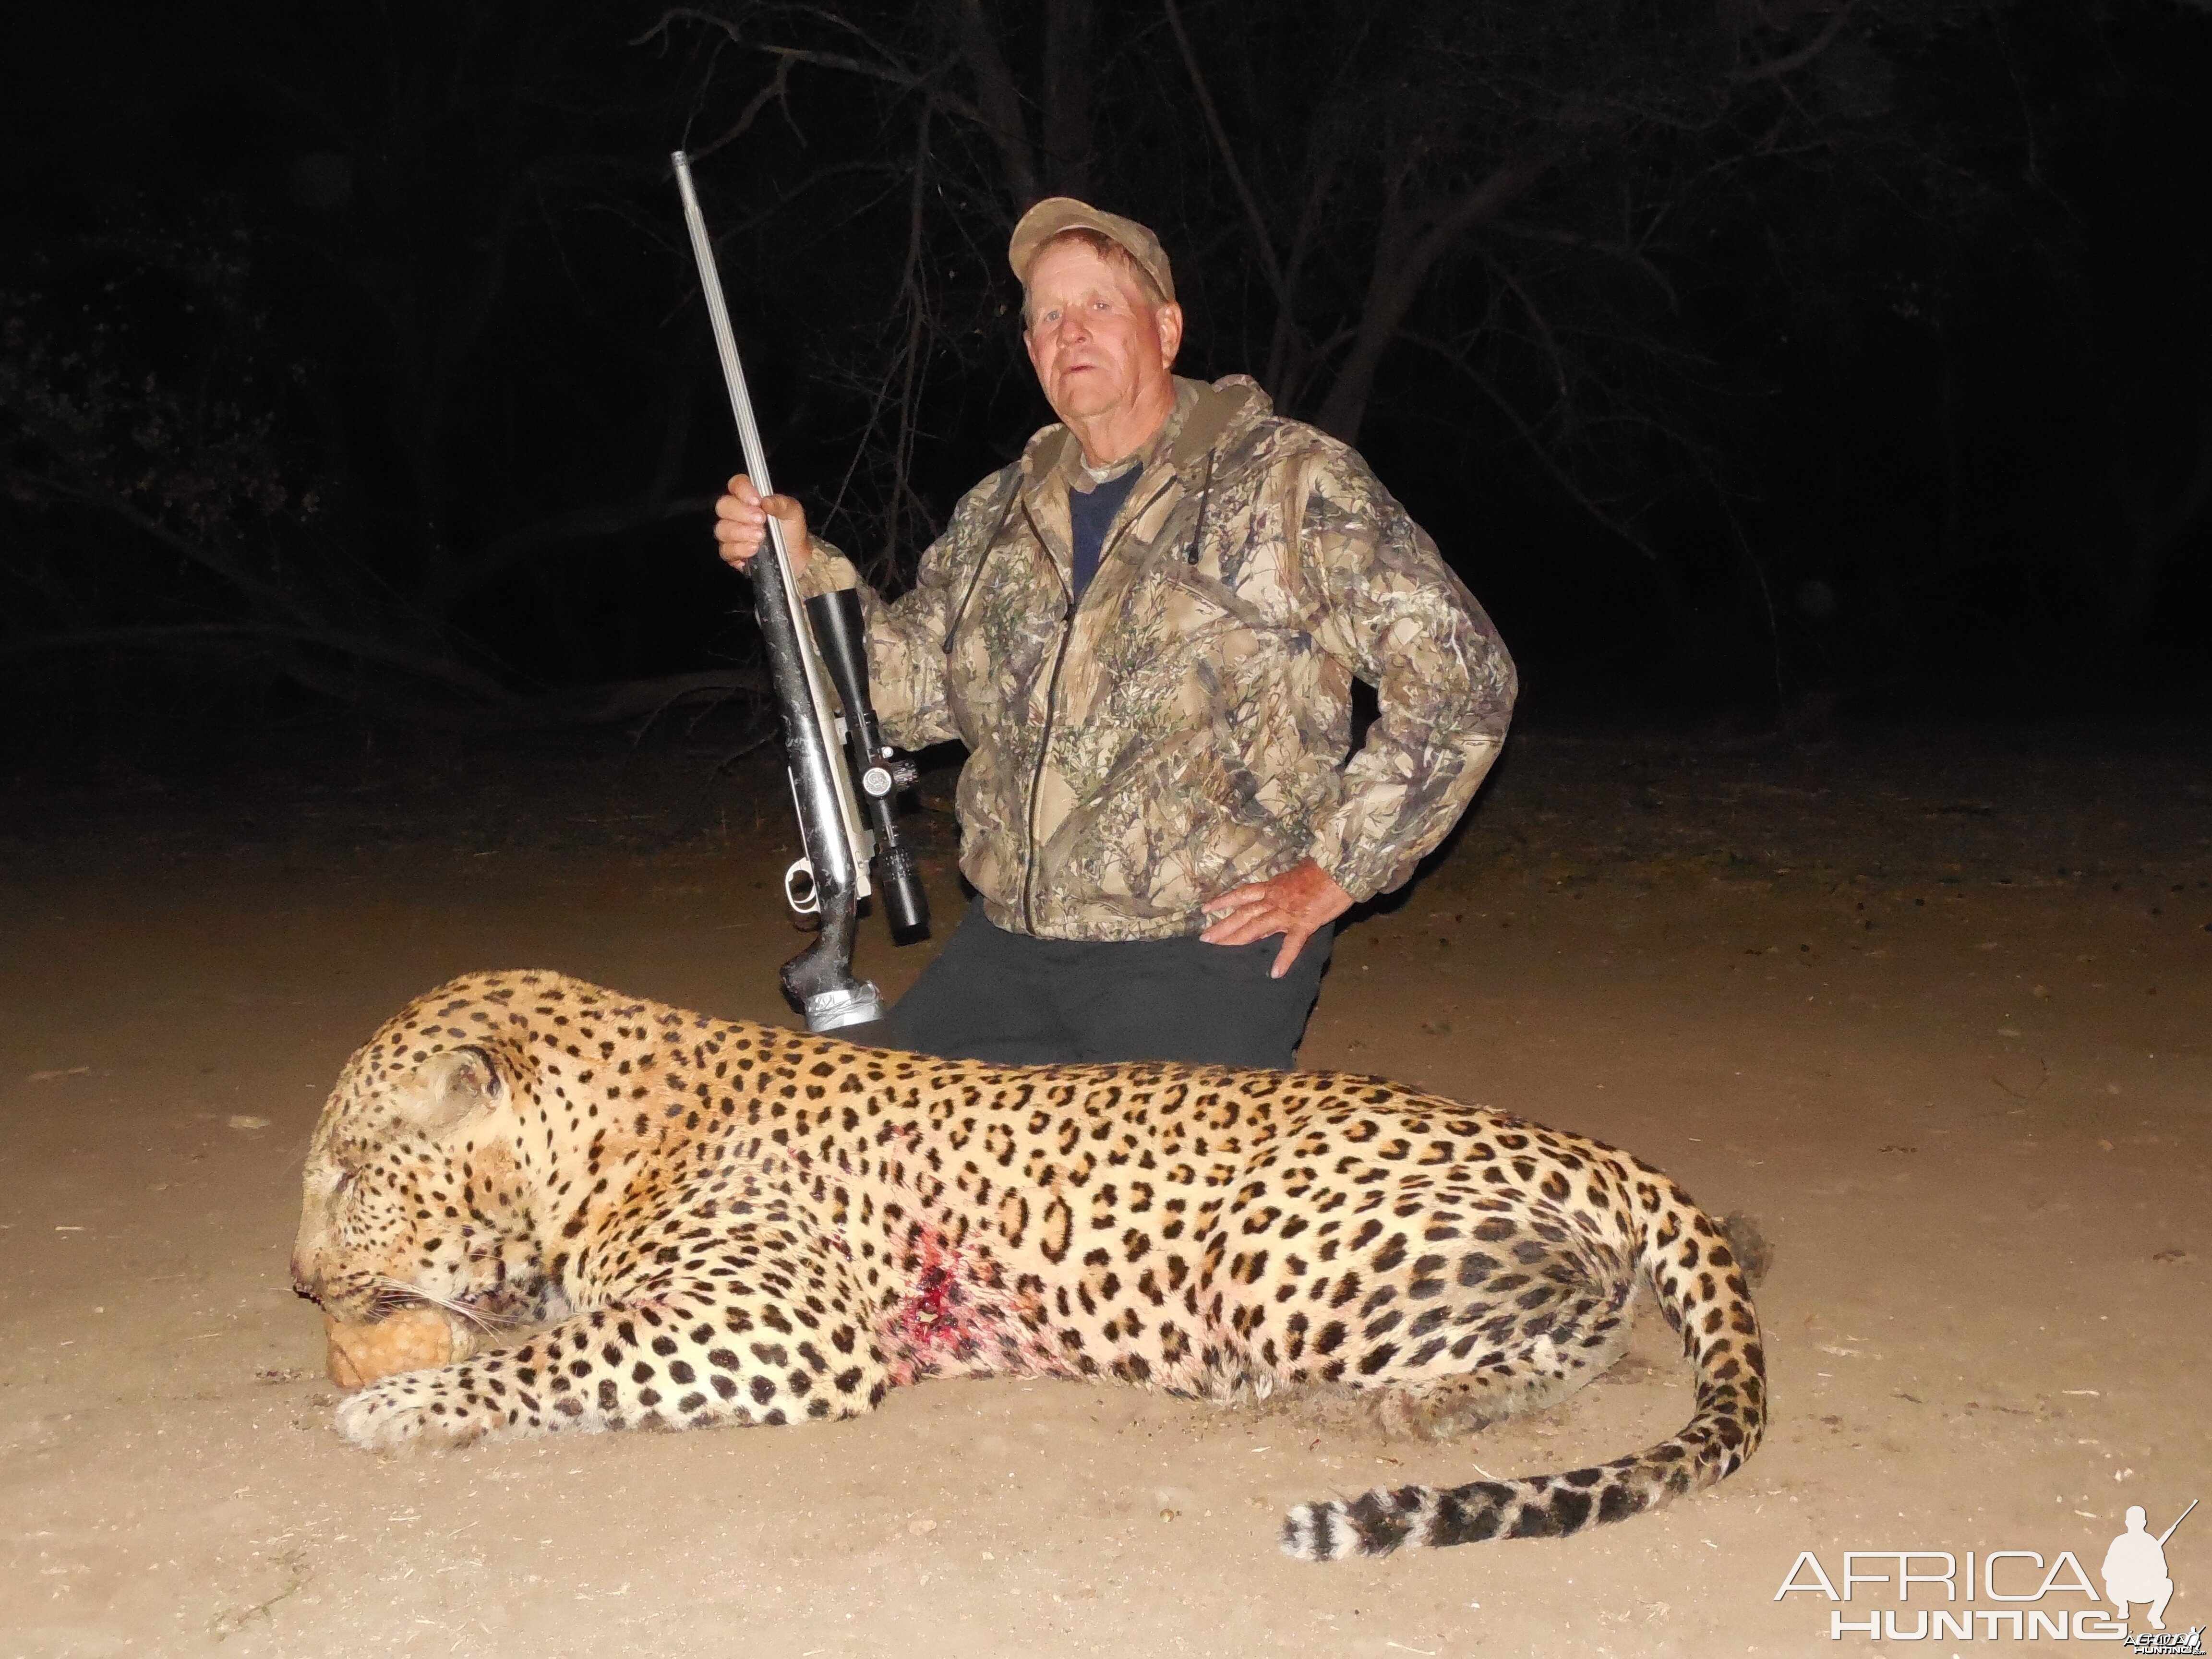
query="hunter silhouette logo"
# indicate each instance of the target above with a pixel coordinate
(2134, 1566)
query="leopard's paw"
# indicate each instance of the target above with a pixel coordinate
(404, 1413)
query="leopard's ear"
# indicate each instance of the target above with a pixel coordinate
(448, 1089)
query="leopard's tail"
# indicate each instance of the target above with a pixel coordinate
(1701, 1289)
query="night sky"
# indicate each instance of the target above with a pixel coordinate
(1746, 361)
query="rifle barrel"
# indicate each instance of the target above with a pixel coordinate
(819, 981)
(2178, 1520)
(725, 338)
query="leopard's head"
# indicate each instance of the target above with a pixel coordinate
(414, 1189)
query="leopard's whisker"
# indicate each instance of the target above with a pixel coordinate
(408, 1295)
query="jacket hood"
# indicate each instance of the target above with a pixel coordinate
(1204, 417)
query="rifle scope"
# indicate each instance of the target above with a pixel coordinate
(879, 771)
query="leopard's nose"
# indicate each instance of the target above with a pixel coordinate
(300, 1285)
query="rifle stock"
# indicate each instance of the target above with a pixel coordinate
(823, 756)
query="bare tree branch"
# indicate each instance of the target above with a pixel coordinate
(655, 504)
(584, 524)
(1774, 69)
(911, 284)
(1260, 240)
(1066, 88)
(1628, 252)
(360, 648)
(503, 711)
(1403, 254)
(2155, 528)
(891, 73)
(777, 91)
(1559, 475)
(995, 94)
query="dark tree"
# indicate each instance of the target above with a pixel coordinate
(1812, 347)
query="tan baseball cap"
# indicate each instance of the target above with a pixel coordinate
(1057, 213)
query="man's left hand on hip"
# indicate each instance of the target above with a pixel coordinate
(1297, 904)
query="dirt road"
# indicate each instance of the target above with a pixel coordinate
(1934, 1012)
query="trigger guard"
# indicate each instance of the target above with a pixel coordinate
(812, 905)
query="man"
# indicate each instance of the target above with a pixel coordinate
(2135, 1569)
(1146, 632)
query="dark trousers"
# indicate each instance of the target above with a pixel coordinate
(1005, 997)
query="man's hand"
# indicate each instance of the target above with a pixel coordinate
(1297, 904)
(741, 525)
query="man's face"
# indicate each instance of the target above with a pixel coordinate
(1098, 343)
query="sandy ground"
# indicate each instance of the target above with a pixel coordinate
(1932, 1009)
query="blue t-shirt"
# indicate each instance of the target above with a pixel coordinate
(1089, 517)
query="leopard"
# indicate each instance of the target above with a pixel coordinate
(648, 1217)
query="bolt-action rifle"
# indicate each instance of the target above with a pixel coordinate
(842, 772)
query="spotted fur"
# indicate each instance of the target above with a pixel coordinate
(734, 1223)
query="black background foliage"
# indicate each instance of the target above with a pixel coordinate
(1763, 356)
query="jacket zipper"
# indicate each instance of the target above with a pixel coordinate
(975, 577)
(1051, 696)
(1036, 772)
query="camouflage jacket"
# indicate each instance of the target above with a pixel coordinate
(1184, 728)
